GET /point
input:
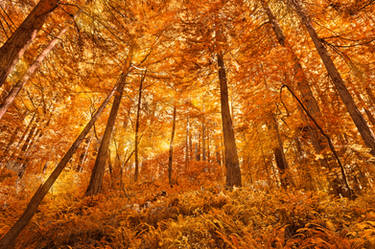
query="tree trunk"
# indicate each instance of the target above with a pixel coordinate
(96, 180)
(204, 155)
(83, 155)
(136, 173)
(9, 239)
(281, 161)
(337, 80)
(233, 172)
(170, 158)
(303, 86)
(29, 73)
(187, 157)
(14, 48)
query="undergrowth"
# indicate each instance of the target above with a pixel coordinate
(204, 218)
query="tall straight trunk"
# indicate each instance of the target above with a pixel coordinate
(9, 239)
(136, 136)
(204, 152)
(233, 172)
(29, 73)
(14, 48)
(337, 80)
(191, 154)
(303, 85)
(119, 153)
(96, 180)
(170, 158)
(187, 144)
(280, 158)
(83, 155)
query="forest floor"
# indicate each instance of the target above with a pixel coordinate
(155, 216)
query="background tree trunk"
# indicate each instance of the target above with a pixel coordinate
(136, 172)
(170, 158)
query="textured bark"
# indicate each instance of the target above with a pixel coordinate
(8, 100)
(15, 46)
(170, 158)
(233, 172)
(96, 180)
(337, 80)
(303, 85)
(9, 239)
(136, 173)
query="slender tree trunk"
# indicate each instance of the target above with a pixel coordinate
(11, 141)
(170, 158)
(29, 73)
(136, 173)
(187, 157)
(96, 180)
(119, 153)
(83, 155)
(337, 80)
(281, 161)
(15, 46)
(233, 172)
(9, 239)
(204, 155)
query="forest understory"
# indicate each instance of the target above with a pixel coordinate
(152, 215)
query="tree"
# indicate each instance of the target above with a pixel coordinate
(15, 46)
(96, 180)
(170, 157)
(336, 78)
(9, 239)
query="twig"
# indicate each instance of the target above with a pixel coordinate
(351, 194)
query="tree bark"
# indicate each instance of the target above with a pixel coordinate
(170, 158)
(136, 172)
(303, 85)
(96, 180)
(280, 158)
(187, 157)
(14, 48)
(29, 73)
(337, 80)
(233, 172)
(9, 239)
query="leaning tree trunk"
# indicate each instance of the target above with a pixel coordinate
(170, 158)
(15, 46)
(29, 73)
(303, 86)
(337, 80)
(96, 179)
(233, 172)
(136, 136)
(9, 239)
